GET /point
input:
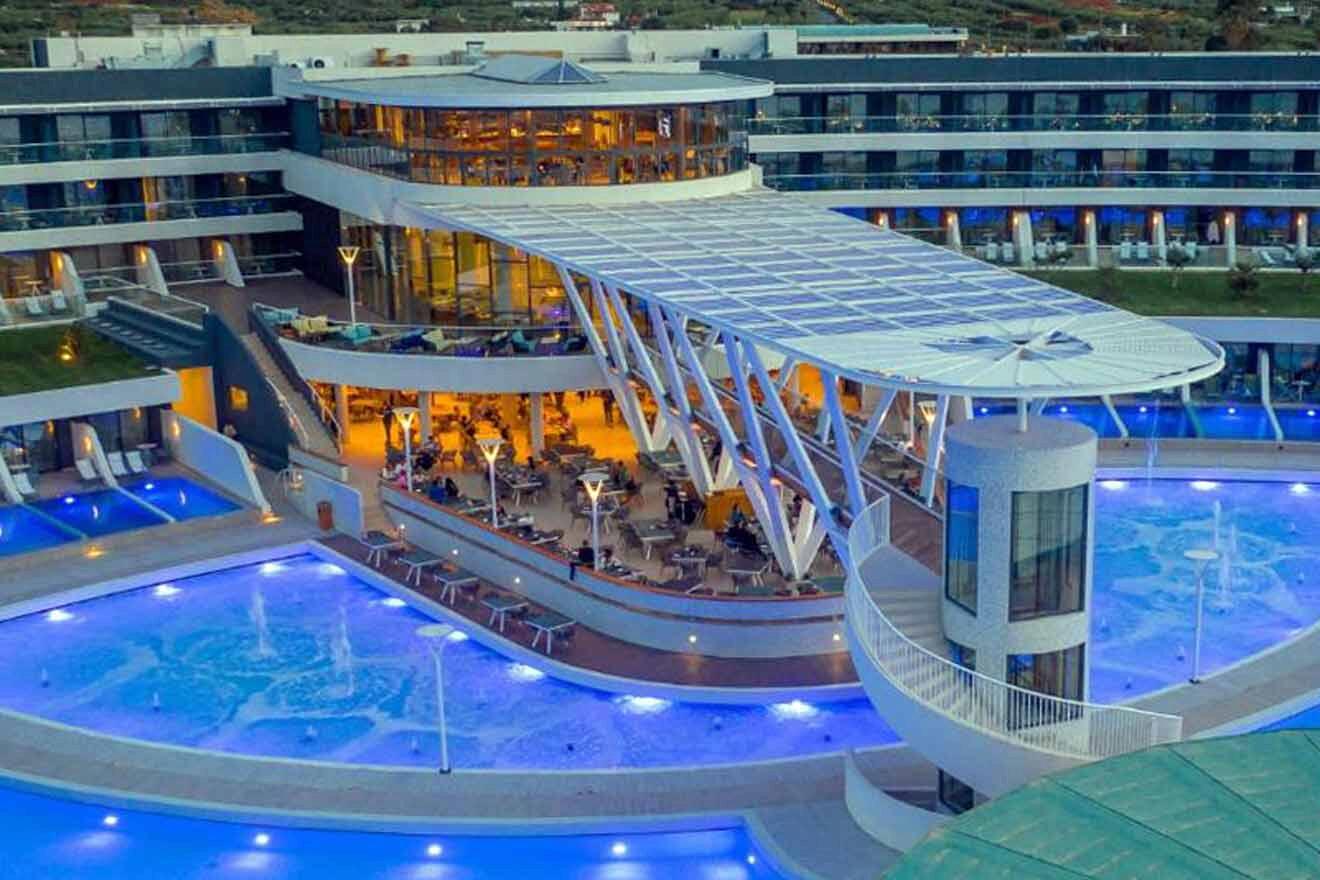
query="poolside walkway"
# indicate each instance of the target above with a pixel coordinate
(597, 652)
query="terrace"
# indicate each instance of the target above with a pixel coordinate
(46, 358)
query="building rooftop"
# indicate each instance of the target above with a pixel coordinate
(1236, 807)
(524, 81)
(40, 359)
(843, 294)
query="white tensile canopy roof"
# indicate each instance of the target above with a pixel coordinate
(866, 303)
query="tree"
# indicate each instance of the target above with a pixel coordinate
(1243, 279)
(1177, 256)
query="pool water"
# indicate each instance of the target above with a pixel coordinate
(47, 838)
(336, 672)
(1305, 718)
(181, 498)
(98, 513)
(1143, 617)
(23, 530)
(1219, 421)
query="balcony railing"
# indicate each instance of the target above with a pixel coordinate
(1086, 731)
(259, 265)
(141, 147)
(923, 123)
(937, 180)
(138, 212)
(510, 340)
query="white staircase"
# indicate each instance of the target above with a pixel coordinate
(990, 734)
(311, 432)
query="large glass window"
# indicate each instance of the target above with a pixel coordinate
(960, 551)
(552, 147)
(1057, 673)
(1048, 572)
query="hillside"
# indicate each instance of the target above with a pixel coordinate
(1024, 24)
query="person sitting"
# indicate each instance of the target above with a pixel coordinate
(740, 538)
(585, 555)
(438, 492)
(451, 489)
(425, 461)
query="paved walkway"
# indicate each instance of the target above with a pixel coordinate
(820, 841)
(595, 651)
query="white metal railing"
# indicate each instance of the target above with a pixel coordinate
(1085, 731)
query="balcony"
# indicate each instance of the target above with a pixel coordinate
(919, 123)
(139, 148)
(964, 180)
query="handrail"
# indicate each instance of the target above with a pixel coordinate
(150, 147)
(1072, 728)
(136, 212)
(270, 341)
(919, 123)
(990, 178)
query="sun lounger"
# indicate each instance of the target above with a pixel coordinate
(377, 544)
(24, 484)
(452, 581)
(501, 606)
(34, 307)
(58, 303)
(86, 472)
(417, 561)
(548, 624)
(135, 462)
(117, 466)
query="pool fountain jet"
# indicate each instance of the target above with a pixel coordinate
(1218, 508)
(1153, 443)
(341, 653)
(257, 612)
(1224, 599)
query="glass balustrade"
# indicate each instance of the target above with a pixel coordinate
(1045, 180)
(1118, 121)
(138, 148)
(139, 212)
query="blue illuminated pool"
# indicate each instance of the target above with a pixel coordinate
(181, 498)
(47, 838)
(1219, 421)
(1264, 591)
(300, 658)
(1305, 718)
(98, 513)
(23, 530)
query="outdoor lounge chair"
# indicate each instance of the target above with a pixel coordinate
(24, 485)
(1006, 252)
(1143, 251)
(135, 462)
(356, 334)
(1125, 251)
(117, 466)
(58, 302)
(436, 339)
(308, 326)
(86, 472)
(34, 307)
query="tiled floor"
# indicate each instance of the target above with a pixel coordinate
(592, 650)
(231, 303)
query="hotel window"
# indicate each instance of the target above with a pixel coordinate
(1274, 110)
(1124, 111)
(982, 166)
(918, 111)
(1048, 565)
(167, 134)
(238, 398)
(962, 655)
(1056, 110)
(1191, 160)
(1055, 224)
(986, 111)
(845, 112)
(960, 541)
(1056, 673)
(35, 444)
(1275, 161)
(1191, 110)
(852, 164)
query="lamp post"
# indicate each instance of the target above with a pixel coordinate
(437, 636)
(593, 482)
(406, 415)
(349, 254)
(490, 450)
(1202, 559)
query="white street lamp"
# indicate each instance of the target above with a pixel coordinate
(593, 482)
(349, 254)
(1202, 559)
(490, 450)
(437, 636)
(406, 415)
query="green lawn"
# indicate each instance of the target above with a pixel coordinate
(1280, 295)
(30, 361)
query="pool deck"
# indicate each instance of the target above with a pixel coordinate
(1279, 676)
(597, 652)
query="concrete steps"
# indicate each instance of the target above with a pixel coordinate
(916, 614)
(312, 434)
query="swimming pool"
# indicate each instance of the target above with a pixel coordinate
(1305, 718)
(48, 838)
(98, 513)
(300, 658)
(23, 530)
(181, 498)
(1265, 590)
(1219, 421)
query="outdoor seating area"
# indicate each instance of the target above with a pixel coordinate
(461, 341)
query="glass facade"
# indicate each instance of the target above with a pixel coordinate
(1048, 565)
(550, 147)
(453, 278)
(1057, 673)
(960, 545)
